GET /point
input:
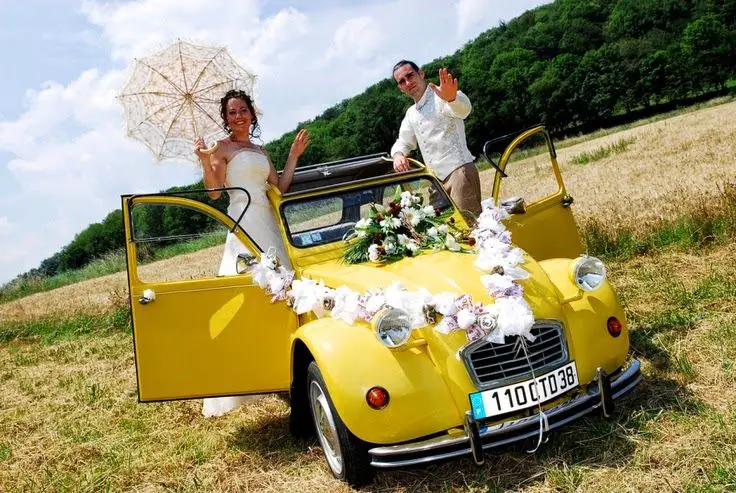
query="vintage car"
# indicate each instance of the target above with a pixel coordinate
(381, 393)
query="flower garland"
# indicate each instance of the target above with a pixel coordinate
(509, 315)
(402, 229)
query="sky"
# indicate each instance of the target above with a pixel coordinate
(64, 157)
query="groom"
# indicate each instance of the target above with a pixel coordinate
(435, 123)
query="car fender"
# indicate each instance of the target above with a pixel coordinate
(585, 318)
(352, 360)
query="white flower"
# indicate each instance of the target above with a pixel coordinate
(373, 253)
(444, 303)
(406, 200)
(413, 246)
(375, 302)
(416, 198)
(346, 304)
(397, 296)
(403, 239)
(465, 318)
(309, 296)
(413, 216)
(443, 229)
(389, 245)
(363, 223)
(487, 322)
(432, 231)
(428, 211)
(276, 283)
(451, 244)
(390, 223)
(513, 317)
(496, 282)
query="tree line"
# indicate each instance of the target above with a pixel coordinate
(575, 65)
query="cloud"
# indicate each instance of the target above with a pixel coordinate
(6, 226)
(478, 15)
(359, 38)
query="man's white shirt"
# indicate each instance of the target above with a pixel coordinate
(438, 128)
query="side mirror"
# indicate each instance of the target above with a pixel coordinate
(514, 205)
(245, 262)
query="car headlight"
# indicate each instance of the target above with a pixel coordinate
(392, 327)
(588, 273)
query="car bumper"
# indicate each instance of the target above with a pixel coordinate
(476, 437)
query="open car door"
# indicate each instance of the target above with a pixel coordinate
(529, 184)
(197, 334)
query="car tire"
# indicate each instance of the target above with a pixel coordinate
(347, 455)
(301, 424)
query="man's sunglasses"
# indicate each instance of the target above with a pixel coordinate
(405, 80)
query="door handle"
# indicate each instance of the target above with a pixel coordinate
(567, 201)
(147, 296)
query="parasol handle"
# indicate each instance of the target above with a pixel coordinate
(211, 149)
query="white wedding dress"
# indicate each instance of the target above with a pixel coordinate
(246, 169)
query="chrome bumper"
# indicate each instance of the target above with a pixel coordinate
(477, 437)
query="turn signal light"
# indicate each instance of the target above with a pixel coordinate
(614, 326)
(377, 397)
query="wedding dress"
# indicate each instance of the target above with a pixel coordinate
(246, 169)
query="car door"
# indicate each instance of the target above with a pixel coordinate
(527, 174)
(197, 334)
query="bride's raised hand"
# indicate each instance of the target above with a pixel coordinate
(300, 144)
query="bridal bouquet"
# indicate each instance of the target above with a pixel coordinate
(402, 229)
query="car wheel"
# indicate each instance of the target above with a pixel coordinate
(301, 424)
(347, 455)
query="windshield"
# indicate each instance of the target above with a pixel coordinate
(328, 218)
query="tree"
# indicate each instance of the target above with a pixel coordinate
(709, 47)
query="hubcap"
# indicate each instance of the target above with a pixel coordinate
(326, 429)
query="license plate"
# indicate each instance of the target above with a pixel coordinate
(524, 394)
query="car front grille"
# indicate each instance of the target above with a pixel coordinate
(493, 364)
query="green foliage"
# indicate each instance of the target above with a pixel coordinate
(602, 152)
(52, 329)
(575, 64)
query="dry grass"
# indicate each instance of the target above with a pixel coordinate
(97, 295)
(69, 417)
(669, 165)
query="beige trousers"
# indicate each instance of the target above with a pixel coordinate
(463, 185)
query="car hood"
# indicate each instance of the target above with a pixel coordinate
(438, 272)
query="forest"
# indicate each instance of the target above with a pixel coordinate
(575, 65)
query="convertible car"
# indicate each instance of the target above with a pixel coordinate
(382, 390)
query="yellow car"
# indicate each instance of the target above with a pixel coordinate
(388, 388)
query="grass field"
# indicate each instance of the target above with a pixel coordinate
(70, 421)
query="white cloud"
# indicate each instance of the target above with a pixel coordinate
(359, 38)
(478, 15)
(6, 226)
(69, 155)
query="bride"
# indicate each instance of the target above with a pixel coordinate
(238, 162)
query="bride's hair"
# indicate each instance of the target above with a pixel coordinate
(255, 130)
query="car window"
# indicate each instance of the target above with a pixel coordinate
(530, 172)
(327, 219)
(163, 233)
